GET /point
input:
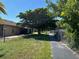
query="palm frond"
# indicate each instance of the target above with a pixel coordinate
(2, 8)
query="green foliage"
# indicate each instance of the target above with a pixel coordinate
(2, 8)
(39, 19)
(71, 19)
(69, 11)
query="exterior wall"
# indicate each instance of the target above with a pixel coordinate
(1, 30)
(10, 30)
(7, 30)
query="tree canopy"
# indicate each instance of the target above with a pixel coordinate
(69, 11)
(39, 19)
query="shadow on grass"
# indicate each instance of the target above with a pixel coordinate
(2, 53)
(43, 37)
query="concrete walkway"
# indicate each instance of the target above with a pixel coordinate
(61, 51)
(11, 37)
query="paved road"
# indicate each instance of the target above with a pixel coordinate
(62, 52)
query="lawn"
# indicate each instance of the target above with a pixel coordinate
(25, 48)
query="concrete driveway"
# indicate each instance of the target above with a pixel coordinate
(60, 51)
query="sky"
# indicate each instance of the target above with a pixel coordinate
(14, 7)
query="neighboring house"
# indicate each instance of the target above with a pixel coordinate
(9, 28)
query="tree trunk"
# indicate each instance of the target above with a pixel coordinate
(39, 32)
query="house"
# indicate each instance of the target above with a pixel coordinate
(9, 28)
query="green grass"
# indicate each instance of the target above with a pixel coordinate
(22, 48)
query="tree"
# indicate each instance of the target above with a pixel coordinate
(71, 14)
(2, 8)
(69, 11)
(39, 19)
